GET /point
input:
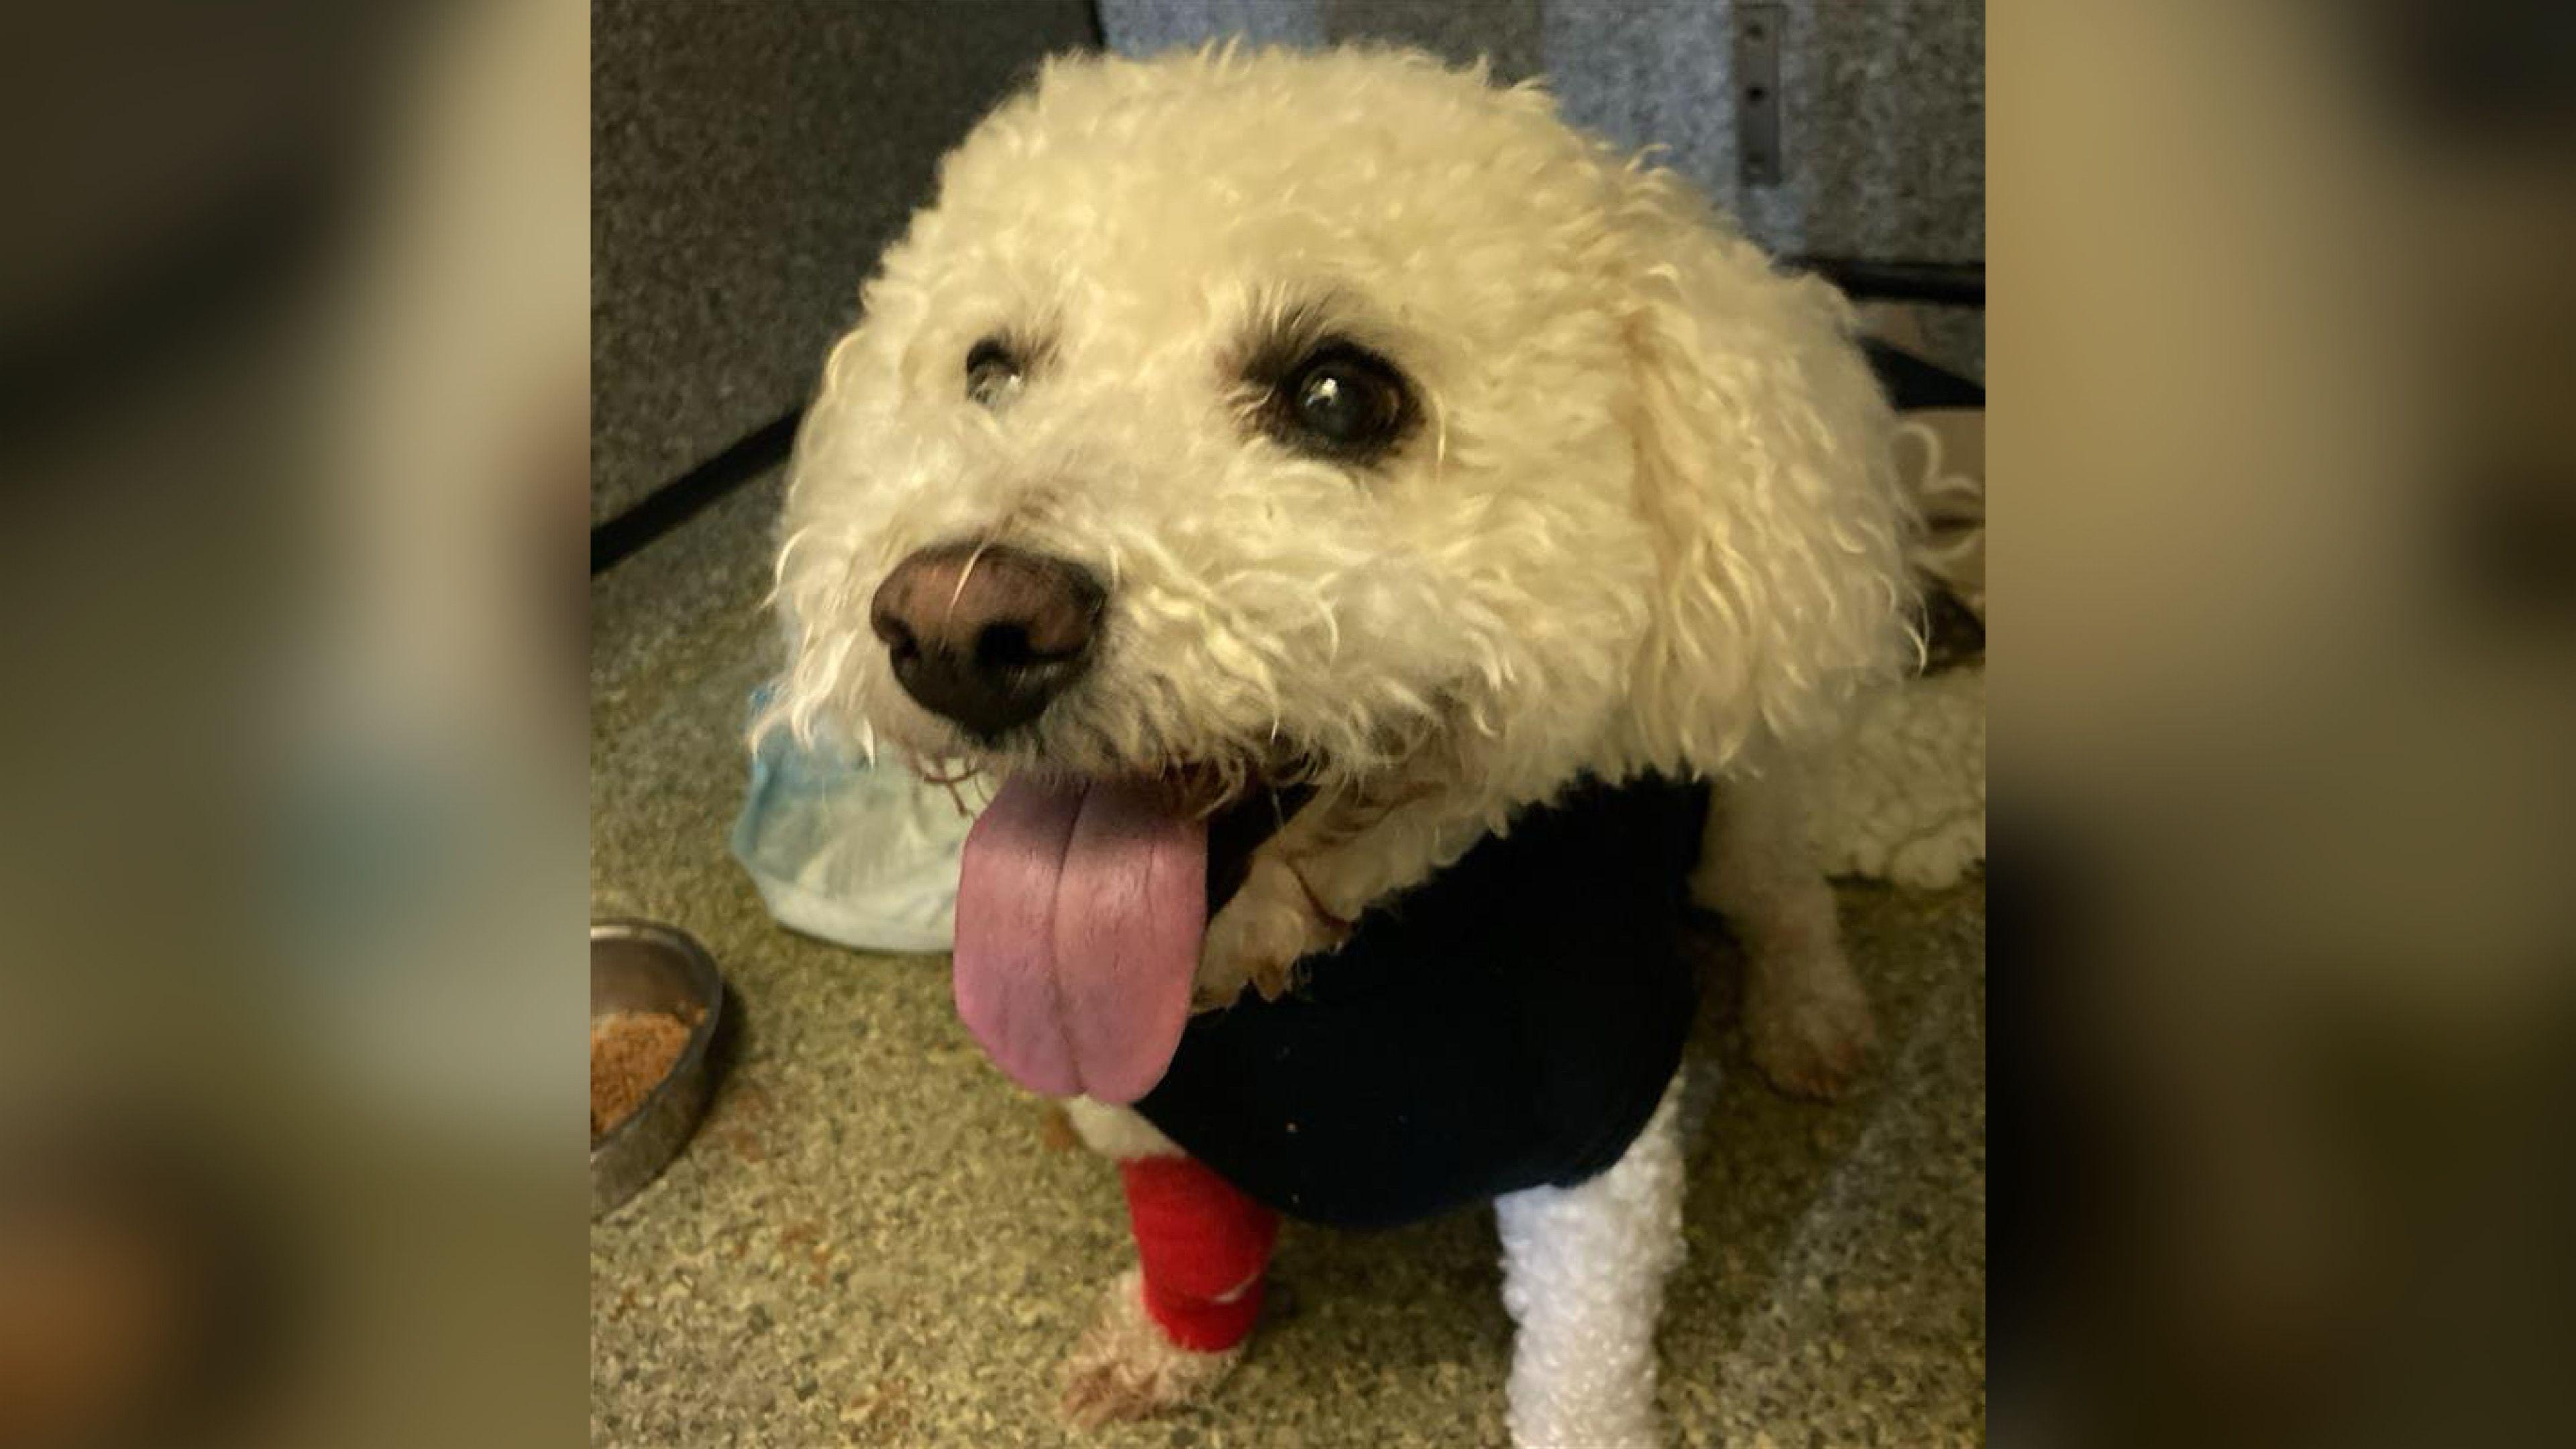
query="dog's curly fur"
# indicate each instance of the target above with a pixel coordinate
(1644, 521)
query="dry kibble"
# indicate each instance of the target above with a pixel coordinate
(630, 1053)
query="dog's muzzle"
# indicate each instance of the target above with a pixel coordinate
(987, 635)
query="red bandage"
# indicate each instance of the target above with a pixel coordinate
(1203, 1246)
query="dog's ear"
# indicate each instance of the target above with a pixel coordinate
(1764, 475)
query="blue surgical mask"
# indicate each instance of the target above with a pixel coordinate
(859, 854)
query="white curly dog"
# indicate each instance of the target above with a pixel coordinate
(1346, 439)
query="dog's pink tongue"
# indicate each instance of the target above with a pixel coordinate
(1079, 913)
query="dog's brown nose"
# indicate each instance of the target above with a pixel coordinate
(986, 635)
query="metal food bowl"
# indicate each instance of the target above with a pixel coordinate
(643, 966)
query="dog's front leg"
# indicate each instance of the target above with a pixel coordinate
(1306, 885)
(1273, 921)
(1806, 1018)
(1174, 1325)
(1583, 1276)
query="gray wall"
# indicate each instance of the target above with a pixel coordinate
(749, 159)
(1882, 101)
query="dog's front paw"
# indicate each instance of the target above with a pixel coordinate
(1126, 1368)
(1807, 1023)
(1272, 923)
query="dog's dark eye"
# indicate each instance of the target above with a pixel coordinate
(1342, 401)
(992, 373)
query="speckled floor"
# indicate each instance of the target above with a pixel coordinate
(875, 1240)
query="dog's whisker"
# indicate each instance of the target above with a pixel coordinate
(964, 574)
(1332, 630)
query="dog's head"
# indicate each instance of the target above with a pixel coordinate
(1272, 417)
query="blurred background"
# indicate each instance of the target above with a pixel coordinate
(293, 307)
(2282, 710)
(292, 757)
